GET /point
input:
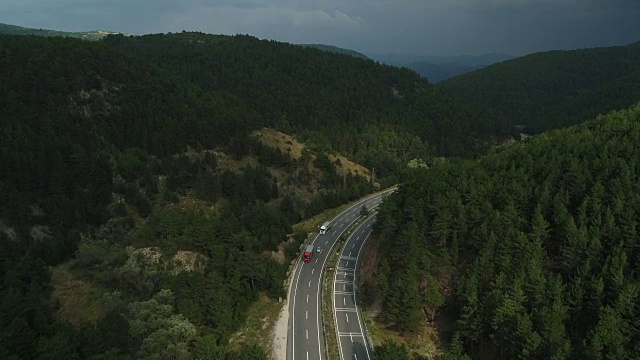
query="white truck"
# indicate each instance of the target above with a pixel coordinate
(325, 227)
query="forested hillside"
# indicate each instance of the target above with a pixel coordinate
(555, 89)
(438, 72)
(381, 116)
(533, 250)
(338, 50)
(141, 214)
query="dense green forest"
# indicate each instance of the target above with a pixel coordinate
(129, 166)
(554, 89)
(380, 116)
(533, 250)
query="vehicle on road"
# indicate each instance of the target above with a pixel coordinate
(319, 250)
(308, 252)
(325, 227)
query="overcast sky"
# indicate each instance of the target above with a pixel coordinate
(423, 27)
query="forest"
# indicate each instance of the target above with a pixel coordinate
(554, 89)
(130, 168)
(530, 252)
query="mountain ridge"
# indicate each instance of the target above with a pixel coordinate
(557, 88)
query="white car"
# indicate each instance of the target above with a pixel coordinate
(319, 250)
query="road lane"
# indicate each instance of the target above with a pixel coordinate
(304, 340)
(349, 327)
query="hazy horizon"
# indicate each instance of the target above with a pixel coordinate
(402, 27)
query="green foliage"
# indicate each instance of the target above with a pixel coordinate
(548, 90)
(109, 147)
(343, 101)
(544, 255)
(131, 164)
(391, 350)
(160, 333)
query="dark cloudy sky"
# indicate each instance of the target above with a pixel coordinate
(424, 27)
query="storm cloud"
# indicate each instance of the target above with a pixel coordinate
(424, 27)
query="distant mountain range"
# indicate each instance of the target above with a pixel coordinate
(434, 68)
(553, 89)
(85, 35)
(438, 68)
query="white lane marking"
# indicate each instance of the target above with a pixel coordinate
(344, 301)
(316, 260)
(354, 245)
(334, 288)
(309, 283)
(307, 355)
(344, 286)
(346, 310)
(349, 253)
(312, 270)
(293, 314)
(366, 348)
(358, 238)
(307, 333)
(355, 357)
(306, 314)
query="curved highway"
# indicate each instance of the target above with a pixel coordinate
(349, 326)
(305, 339)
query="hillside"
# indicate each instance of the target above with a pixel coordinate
(84, 35)
(379, 115)
(337, 50)
(148, 194)
(439, 72)
(530, 252)
(439, 68)
(554, 89)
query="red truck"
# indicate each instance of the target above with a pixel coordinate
(308, 253)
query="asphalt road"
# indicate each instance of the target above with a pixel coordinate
(304, 338)
(349, 325)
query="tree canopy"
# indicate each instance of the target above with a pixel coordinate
(533, 249)
(554, 89)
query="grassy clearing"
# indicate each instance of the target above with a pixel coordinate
(422, 344)
(284, 142)
(347, 166)
(259, 326)
(80, 302)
